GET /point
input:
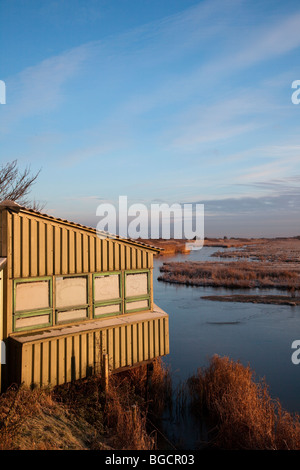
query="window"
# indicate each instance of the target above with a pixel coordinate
(32, 303)
(107, 294)
(71, 298)
(137, 290)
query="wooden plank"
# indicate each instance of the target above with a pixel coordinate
(116, 256)
(9, 262)
(166, 331)
(97, 352)
(78, 252)
(16, 246)
(90, 296)
(61, 355)
(133, 258)
(26, 366)
(111, 254)
(64, 251)
(85, 253)
(83, 355)
(110, 347)
(49, 249)
(98, 254)
(128, 257)
(71, 251)
(45, 363)
(33, 262)
(53, 373)
(134, 339)
(156, 337)
(92, 255)
(144, 259)
(90, 352)
(117, 361)
(36, 377)
(140, 342)
(42, 249)
(123, 346)
(128, 345)
(104, 255)
(76, 356)
(122, 257)
(57, 249)
(161, 337)
(151, 289)
(25, 247)
(150, 260)
(139, 259)
(146, 340)
(68, 358)
(103, 343)
(151, 339)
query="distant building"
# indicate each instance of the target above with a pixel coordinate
(69, 297)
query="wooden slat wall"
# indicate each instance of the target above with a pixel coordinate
(59, 360)
(40, 248)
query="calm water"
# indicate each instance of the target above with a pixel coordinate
(256, 334)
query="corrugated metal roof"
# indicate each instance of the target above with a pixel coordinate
(11, 205)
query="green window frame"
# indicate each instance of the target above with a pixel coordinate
(132, 299)
(21, 314)
(68, 308)
(106, 303)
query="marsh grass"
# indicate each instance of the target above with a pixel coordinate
(237, 410)
(242, 414)
(134, 406)
(239, 274)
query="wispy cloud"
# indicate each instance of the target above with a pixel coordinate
(39, 89)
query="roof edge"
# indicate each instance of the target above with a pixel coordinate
(15, 207)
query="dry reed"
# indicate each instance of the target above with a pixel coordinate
(79, 415)
(244, 415)
(239, 274)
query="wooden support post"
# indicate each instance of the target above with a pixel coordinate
(105, 371)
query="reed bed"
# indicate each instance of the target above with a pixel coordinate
(241, 411)
(239, 274)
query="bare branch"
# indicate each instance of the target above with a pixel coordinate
(16, 185)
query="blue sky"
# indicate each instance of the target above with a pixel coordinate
(173, 101)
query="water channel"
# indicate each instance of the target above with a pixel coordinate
(258, 335)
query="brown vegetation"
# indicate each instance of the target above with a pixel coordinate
(169, 247)
(239, 274)
(274, 250)
(175, 246)
(256, 299)
(241, 410)
(80, 415)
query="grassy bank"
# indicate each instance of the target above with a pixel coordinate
(80, 416)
